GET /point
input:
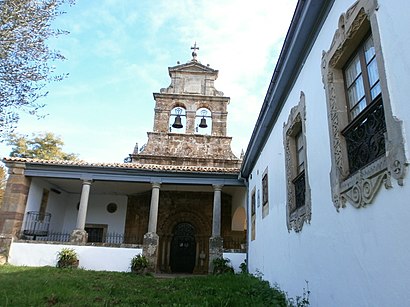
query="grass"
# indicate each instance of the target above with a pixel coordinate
(47, 286)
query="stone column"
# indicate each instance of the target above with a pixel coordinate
(216, 241)
(151, 239)
(13, 207)
(190, 121)
(79, 235)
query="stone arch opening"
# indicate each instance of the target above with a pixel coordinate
(203, 121)
(166, 232)
(177, 119)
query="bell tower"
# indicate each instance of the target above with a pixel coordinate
(190, 121)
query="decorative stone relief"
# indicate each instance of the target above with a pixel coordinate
(360, 188)
(295, 217)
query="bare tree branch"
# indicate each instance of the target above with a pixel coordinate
(25, 58)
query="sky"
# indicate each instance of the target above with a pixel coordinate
(118, 53)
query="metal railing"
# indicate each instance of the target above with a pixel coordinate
(109, 238)
(36, 224)
(230, 243)
(365, 136)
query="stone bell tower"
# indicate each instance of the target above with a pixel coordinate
(190, 121)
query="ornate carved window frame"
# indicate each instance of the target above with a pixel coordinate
(265, 193)
(359, 188)
(296, 217)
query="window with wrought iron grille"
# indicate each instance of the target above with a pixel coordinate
(360, 116)
(265, 194)
(299, 181)
(253, 214)
(298, 203)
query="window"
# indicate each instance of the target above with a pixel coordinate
(360, 118)
(364, 135)
(112, 207)
(298, 204)
(253, 214)
(96, 232)
(265, 194)
(299, 183)
(362, 79)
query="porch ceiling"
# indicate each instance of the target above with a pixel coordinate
(74, 186)
(98, 187)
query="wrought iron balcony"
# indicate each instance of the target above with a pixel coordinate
(365, 136)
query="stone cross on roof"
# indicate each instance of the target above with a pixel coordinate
(194, 54)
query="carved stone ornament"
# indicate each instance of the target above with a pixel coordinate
(360, 188)
(295, 217)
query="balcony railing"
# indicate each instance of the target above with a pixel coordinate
(365, 136)
(36, 224)
(110, 238)
(230, 243)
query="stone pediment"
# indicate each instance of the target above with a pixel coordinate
(192, 78)
(192, 67)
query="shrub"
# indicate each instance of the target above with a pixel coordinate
(139, 264)
(244, 267)
(67, 258)
(222, 266)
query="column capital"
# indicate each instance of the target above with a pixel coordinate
(156, 185)
(87, 181)
(217, 187)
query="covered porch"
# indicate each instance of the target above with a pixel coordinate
(179, 217)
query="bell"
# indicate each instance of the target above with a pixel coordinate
(203, 124)
(177, 123)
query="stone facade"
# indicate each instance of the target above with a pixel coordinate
(177, 207)
(192, 88)
(13, 208)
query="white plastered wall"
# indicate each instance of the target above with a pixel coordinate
(96, 258)
(355, 257)
(56, 202)
(97, 212)
(63, 208)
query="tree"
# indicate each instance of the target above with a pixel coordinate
(25, 58)
(44, 145)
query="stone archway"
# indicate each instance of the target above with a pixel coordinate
(167, 230)
(183, 248)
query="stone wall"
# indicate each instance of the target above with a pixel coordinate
(188, 149)
(13, 207)
(176, 207)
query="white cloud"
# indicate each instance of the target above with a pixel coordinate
(118, 53)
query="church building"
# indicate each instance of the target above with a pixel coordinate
(178, 199)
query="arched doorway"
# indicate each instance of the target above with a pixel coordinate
(183, 247)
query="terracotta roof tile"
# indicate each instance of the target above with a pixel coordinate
(153, 167)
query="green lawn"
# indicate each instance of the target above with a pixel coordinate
(46, 286)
